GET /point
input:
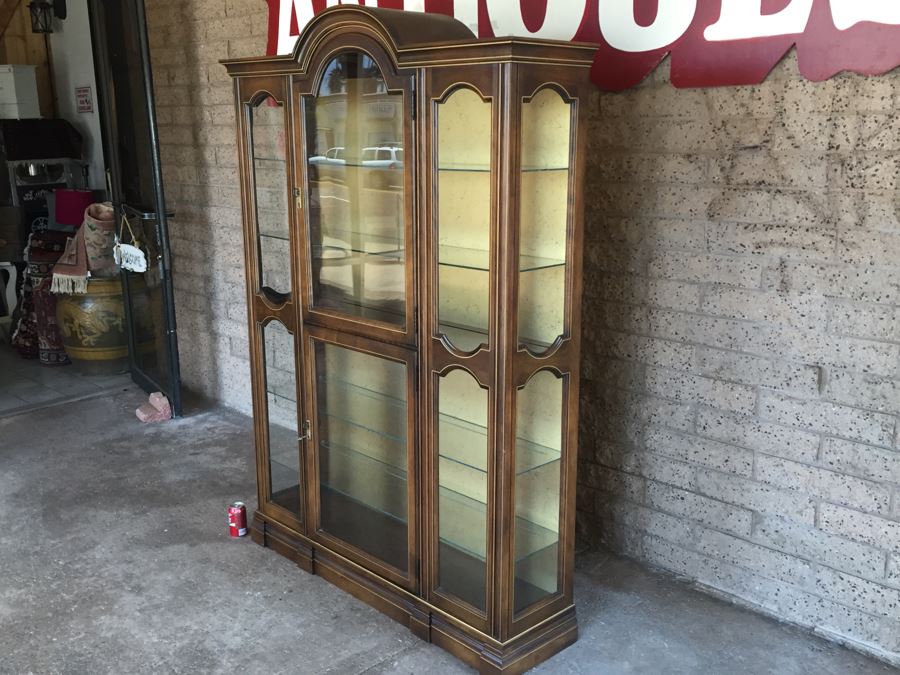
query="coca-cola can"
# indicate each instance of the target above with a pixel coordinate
(237, 519)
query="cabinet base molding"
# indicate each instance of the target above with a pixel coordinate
(427, 622)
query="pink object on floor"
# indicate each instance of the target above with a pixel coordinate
(157, 410)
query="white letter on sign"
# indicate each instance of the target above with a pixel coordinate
(849, 13)
(623, 32)
(304, 11)
(743, 19)
(466, 11)
(561, 21)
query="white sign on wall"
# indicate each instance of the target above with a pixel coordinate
(711, 42)
(84, 100)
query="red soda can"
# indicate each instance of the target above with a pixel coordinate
(237, 519)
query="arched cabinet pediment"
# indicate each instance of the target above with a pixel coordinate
(413, 215)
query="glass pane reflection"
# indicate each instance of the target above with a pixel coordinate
(270, 181)
(147, 298)
(356, 206)
(362, 440)
(281, 406)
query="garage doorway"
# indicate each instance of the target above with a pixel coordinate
(121, 163)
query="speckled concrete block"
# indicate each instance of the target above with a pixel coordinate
(791, 306)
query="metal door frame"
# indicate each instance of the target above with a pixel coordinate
(107, 107)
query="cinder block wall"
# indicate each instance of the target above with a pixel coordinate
(742, 338)
(741, 347)
(196, 118)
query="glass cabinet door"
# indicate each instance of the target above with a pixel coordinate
(362, 431)
(281, 417)
(356, 169)
(540, 419)
(544, 219)
(273, 347)
(463, 218)
(546, 227)
(270, 182)
(462, 500)
(463, 275)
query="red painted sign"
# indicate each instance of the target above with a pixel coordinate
(711, 42)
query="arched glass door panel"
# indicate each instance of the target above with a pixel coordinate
(544, 222)
(357, 192)
(271, 194)
(463, 218)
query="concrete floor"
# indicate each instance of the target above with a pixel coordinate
(25, 384)
(114, 559)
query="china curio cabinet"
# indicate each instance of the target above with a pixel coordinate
(413, 226)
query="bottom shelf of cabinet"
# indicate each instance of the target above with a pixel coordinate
(285, 481)
(429, 622)
(463, 576)
(462, 571)
(371, 530)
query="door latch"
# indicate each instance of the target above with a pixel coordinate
(307, 433)
(298, 197)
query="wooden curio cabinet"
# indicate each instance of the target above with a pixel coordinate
(413, 226)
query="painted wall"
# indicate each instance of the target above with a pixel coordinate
(18, 45)
(73, 66)
(742, 334)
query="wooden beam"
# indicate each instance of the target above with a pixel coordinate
(7, 12)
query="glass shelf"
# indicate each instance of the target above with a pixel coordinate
(467, 511)
(477, 259)
(277, 237)
(333, 165)
(283, 474)
(343, 421)
(465, 435)
(468, 335)
(464, 335)
(367, 528)
(532, 456)
(485, 168)
(369, 507)
(385, 481)
(339, 245)
(284, 480)
(279, 394)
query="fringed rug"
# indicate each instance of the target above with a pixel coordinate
(37, 335)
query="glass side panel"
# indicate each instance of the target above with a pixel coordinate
(462, 488)
(361, 407)
(464, 218)
(356, 205)
(270, 180)
(539, 421)
(146, 295)
(546, 134)
(281, 400)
